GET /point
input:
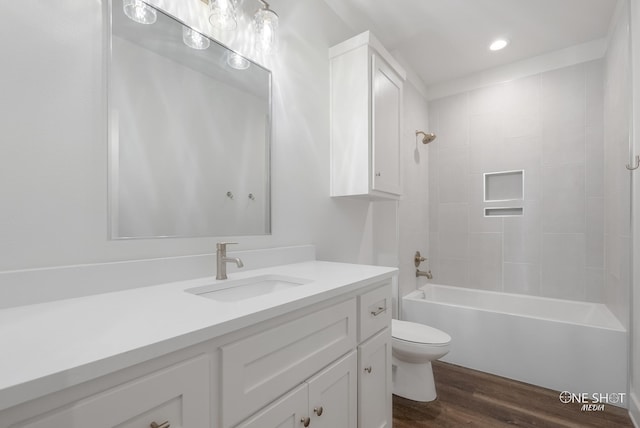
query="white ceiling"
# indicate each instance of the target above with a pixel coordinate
(446, 39)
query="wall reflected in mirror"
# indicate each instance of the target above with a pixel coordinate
(189, 133)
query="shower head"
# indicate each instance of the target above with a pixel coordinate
(426, 137)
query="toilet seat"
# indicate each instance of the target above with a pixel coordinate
(418, 333)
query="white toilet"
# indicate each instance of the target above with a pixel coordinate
(414, 346)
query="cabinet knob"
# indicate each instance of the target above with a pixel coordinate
(305, 421)
(165, 424)
(318, 411)
(368, 369)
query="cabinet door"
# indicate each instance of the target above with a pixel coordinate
(178, 395)
(387, 109)
(333, 394)
(374, 382)
(287, 412)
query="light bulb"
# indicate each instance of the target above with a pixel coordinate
(139, 11)
(266, 25)
(193, 39)
(222, 14)
(237, 61)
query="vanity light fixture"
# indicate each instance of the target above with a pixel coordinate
(498, 44)
(265, 22)
(222, 14)
(237, 61)
(193, 39)
(139, 11)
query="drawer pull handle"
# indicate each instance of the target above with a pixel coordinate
(305, 421)
(318, 411)
(165, 424)
(368, 369)
(377, 312)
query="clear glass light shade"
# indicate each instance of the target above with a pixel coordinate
(237, 61)
(266, 25)
(222, 14)
(139, 11)
(193, 39)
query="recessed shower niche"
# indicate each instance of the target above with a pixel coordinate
(507, 187)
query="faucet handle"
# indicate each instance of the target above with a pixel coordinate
(223, 245)
(417, 259)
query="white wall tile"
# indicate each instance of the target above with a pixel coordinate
(522, 236)
(563, 266)
(478, 223)
(522, 278)
(452, 171)
(563, 96)
(595, 285)
(453, 218)
(485, 261)
(452, 272)
(453, 245)
(594, 156)
(549, 125)
(595, 232)
(487, 100)
(563, 143)
(453, 122)
(563, 199)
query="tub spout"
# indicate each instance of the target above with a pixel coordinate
(423, 273)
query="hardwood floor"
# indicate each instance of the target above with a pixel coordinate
(469, 398)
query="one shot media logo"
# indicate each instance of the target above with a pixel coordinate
(593, 401)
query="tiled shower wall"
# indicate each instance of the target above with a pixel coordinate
(551, 126)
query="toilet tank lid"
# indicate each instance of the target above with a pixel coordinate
(418, 333)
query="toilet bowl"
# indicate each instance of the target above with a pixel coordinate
(414, 346)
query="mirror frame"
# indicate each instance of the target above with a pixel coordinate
(113, 152)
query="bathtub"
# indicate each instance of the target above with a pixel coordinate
(559, 344)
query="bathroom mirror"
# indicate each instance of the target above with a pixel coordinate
(189, 133)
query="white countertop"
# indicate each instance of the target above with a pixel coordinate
(51, 346)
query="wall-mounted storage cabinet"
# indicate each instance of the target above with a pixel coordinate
(366, 119)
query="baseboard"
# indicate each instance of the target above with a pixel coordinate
(634, 410)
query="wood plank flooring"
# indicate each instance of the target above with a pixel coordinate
(469, 398)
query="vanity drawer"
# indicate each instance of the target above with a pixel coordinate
(178, 395)
(260, 368)
(374, 311)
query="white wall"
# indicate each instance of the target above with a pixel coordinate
(548, 124)
(53, 168)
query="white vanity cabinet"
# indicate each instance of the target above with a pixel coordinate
(328, 400)
(374, 359)
(177, 396)
(366, 119)
(325, 364)
(346, 392)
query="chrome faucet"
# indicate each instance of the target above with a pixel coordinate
(222, 260)
(417, 259)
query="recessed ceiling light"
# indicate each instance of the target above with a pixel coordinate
(498, 44)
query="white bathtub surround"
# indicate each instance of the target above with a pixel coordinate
(558, 344)
(76, 340)
(548, 124)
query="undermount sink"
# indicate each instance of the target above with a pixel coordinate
(247, 288)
